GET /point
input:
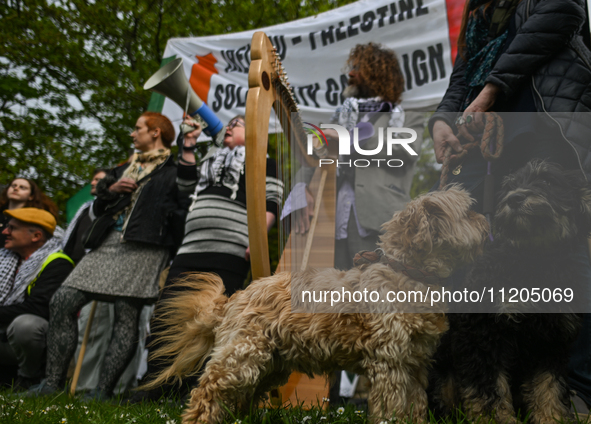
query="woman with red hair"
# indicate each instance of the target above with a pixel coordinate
(132, 239)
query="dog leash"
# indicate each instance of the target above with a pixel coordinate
(368, 257)
(491, 147)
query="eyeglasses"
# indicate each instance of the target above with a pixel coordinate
(235, 122)
(10, 228)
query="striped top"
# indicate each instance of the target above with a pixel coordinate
(216, 222)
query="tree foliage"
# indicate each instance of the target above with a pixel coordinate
(71, 75)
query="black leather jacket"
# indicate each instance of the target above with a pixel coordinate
(542, 55)
(159, 212)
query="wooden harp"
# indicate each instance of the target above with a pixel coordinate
(268, 89)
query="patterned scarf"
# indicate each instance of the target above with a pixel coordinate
(224, 168)
(347, 115)
(13, 281)
(142, 164)
(482, 53)
(8, 267)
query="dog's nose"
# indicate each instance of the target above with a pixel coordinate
(516, 199)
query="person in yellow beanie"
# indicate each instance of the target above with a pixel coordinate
(24, 305)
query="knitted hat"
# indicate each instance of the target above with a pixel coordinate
(34, 216)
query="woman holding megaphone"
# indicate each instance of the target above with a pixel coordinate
(131, 238)
(216, 231)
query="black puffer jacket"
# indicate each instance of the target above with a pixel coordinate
(159, 212)
(541, 54)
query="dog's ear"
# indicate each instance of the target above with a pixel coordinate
(421, 231)
(423, 237)
(408, 230)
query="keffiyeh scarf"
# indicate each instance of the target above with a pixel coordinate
(224, 168)
(347, 115)
(14, 280)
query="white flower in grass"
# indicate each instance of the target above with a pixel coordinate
(306, 418)
(170, 422)
(359, 412)
(325, 399)
(323, 418)
(340, 410)
(64, 420)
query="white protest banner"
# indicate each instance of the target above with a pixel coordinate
(314, 51)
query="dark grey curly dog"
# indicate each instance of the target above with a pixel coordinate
(494, 364)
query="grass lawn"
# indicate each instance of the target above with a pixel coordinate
(63, 409)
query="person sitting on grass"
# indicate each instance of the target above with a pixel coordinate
(24, 314)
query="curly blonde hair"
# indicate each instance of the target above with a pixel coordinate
(379, 69)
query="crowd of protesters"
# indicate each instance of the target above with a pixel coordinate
(115, 251)
(154, 211)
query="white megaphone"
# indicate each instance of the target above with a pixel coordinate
(171, 82)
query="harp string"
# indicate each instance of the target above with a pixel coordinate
(286, 127)
(286, 143)
(283, 157)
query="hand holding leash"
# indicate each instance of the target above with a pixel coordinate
(472, 120)
(444, 138)
(490, 142)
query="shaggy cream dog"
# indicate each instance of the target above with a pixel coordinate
(254, 340)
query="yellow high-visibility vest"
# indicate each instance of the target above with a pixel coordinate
(56, 255)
